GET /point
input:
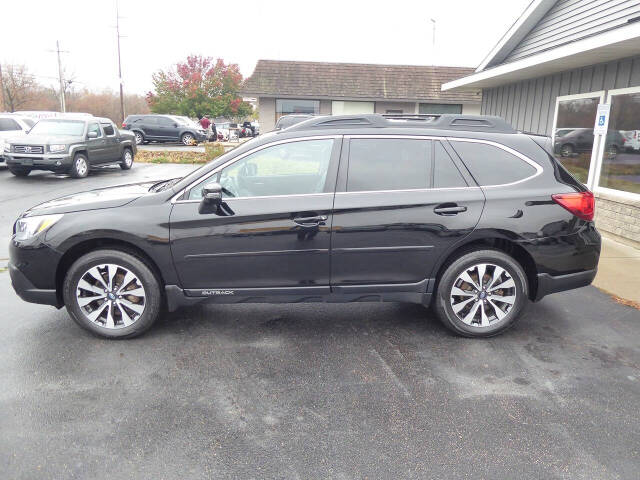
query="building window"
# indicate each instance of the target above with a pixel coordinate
(621, 160)
(573, 133)
(351, 108)
(394, 112)
(439, 108)
(285, 106)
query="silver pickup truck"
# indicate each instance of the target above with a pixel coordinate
(70, 145)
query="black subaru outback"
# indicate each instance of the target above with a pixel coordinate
(461, 213)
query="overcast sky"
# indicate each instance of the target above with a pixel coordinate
(160, 33)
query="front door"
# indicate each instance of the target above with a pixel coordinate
(96, 147)
(273, 228)
(400, 203)
(167, 129)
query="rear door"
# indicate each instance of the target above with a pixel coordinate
(273, 229)
(400, 203)
(149, 127)
(112, 142)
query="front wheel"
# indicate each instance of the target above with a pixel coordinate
(187, 139)
(481, 294)
(79, 167)
(112, 293)
(19, 171)
(127, 159)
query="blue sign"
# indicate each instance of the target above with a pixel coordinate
(601, 120)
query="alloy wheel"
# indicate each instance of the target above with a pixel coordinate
(139, 138)
(187, 139)
(128, 158)
(483, 294)
(111, 296)
(81, 166)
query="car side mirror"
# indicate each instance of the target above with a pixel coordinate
(92, 135)
(175, 125)
(212, 193)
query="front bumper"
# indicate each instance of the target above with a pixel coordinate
(32, 268)
(548, 284)
(53, 162)
(28, 292)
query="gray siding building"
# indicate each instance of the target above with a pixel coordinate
(548, 75)
(285, 87)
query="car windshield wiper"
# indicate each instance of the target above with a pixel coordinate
(164, 185)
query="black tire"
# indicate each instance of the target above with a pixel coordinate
(79, 166)
(188, 139)
(466, 261)
(152, 289)
(19, 171)
(566, 150)
(139, 138)
(127, 159)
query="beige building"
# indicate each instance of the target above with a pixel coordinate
(285, 87)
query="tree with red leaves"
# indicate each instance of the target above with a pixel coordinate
(200, 86)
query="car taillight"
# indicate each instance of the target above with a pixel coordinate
(581, 204)
(124, 125)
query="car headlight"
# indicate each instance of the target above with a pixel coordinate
(29, 227)
(57, 148)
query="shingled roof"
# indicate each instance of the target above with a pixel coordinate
(355, 80)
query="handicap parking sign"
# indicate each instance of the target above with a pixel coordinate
(601, 120)
(600, 125)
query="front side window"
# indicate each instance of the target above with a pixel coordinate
(8, 124)
(294, 168)
(621, 160)
(573, 136)
(108, 129)
(491, 165)
(94, 127)
(165, 122)
(286, 106)
(388, 164)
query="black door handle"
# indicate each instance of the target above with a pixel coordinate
(310, 221)
(449, 209)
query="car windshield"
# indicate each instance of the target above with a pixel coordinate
(58, 127)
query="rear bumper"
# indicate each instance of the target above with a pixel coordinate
(548, 284)
(28, 292)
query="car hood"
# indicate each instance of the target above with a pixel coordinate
(44, 139)
(110, 197)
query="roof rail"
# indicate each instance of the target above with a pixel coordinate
(473, 123)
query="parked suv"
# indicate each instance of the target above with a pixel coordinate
(164, 128)
(69, 145)
(12, 125)
(458, 212)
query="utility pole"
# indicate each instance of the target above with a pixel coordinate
(433, 42)
(119, 65)
(63, 106)
(2, 107)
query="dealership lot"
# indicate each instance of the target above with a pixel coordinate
(313, 391)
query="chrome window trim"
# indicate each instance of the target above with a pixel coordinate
(175, 198)
(507, 149)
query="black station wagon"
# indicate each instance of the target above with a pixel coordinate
(460, 213)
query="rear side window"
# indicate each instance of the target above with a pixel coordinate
(445, 172)
(8, 124)
(165, 122)
(388, 164)
(491, 165)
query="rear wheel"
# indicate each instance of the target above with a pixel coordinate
(139, 138)
(112, 293)
(80, 166)
(566, 150)
(19, 171)
(481, 294)
(127, 159)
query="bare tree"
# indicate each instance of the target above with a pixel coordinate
(19, 86)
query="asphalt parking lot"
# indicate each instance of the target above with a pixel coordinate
(313, 391)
